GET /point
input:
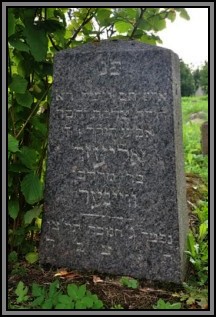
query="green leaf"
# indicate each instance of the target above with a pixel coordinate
(37, 290)
(103, 17)
(171, 16)
(47, 304)
(98, 304)
(80, 305)
(87, 301)
(158, 23)
(25, 99)
(64, 299)
(72, 290)
(51, 25)
(39, 126)
(129, 13)
(21, 291)
(38, 301)
(12, 257)
(145, 25)
(31, 188)
(191, 244)
(12, 144)
(29, 157)
(184, 14)
(25, 67)
(31, 257)
(65, 306)
(32, 214)
(203, 230)
(129, 282)
(53, 288)
(123, 27)
(148, 39)
(81, 291)
(11, 23)
(17, 168)
(161, 304)
(19, 45)
(176, 306)
(18, 84)
(29, 14)
(191, 300)
(13, 207)
(37, 41)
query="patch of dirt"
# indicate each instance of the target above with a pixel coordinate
(108, 288)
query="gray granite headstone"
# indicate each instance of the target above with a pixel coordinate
(115, 189)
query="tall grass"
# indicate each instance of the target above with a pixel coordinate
(195, 161)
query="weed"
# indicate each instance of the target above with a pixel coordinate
(195, 295)
(129, 282)
(21, 292)
(161, 304)
(117, 306)
(76, 297)
(12, 257)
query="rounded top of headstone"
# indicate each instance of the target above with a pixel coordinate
(113, 45)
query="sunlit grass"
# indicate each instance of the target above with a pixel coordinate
(195, 161)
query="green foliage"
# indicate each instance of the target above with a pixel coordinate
(76, 297)
(196, 76)
(13, 208)
(201, 77)
(21, 292)
(204, 77)
(31, 257)
(18, 268)
(129, 282)
(13, 144)
(117, 306)
(12, 257)
(187, 80)
(32, 214)
(198, 252)
(161, 304)
(34, 35)
(196, 163)
(195, 295)
(25, 99)
(31, 188)
(18, 84)
(11, 23)
(194, 104)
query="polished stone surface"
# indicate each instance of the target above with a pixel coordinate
(115, 189)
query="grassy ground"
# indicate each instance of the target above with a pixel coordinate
(115, 292)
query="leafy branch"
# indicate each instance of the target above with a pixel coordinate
(32, 112)
(84, 22)
(142, 11)
(53, 44)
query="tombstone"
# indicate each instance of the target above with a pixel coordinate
(204, 138)
(115, 198)
(199, 92)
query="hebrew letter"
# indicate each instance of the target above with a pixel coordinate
(115, 68)
(86, 193)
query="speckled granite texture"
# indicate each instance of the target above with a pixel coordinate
(115, 197)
